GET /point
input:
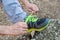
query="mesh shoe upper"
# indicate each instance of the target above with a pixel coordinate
(34, 22)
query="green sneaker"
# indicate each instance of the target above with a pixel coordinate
(37, 24)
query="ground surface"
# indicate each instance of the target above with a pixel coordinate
(48, 8)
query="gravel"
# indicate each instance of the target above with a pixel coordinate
(48, 8)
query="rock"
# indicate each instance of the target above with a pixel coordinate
(58, 22)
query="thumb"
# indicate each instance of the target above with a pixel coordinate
(33, 12)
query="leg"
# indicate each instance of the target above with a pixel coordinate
(15, 14)
(14, 10)
(0, 1)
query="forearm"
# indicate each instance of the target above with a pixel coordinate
(25, 1)
(4, 29)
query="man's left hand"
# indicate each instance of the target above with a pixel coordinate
(32, 7)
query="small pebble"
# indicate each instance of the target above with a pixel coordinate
(58, 22)
(33, 39)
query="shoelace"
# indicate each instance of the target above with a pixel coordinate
(31, 18)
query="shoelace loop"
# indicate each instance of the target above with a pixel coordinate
(31, 18)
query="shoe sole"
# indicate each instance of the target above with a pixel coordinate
(39, 30)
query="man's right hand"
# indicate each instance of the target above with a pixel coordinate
(19, 28)
(16, 29)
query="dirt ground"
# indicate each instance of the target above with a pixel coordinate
(48, 8)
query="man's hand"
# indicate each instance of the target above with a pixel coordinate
(19, 28)
(31, 7)
(16, 29)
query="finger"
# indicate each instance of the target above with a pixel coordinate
(29, 10)
(23, 24)
(33, 12)
(24, 29)
(24, 32)
(35, 9)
